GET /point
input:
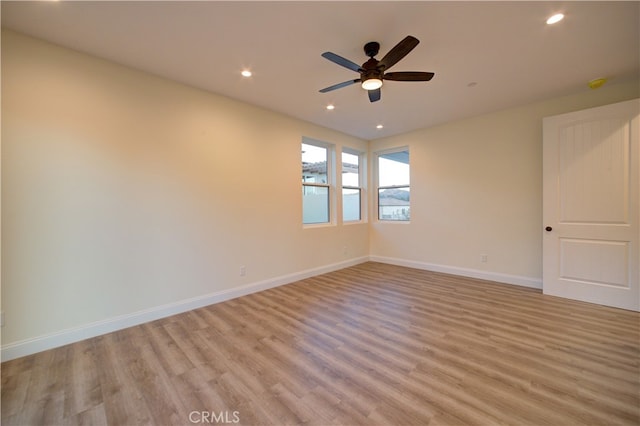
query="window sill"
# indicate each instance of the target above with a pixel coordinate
(317, 225)
(354, 222)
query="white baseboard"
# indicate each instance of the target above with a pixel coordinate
(86, 331)
(465, 272)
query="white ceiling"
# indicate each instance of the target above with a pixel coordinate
(504, 47)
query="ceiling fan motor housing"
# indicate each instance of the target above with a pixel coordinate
(367, 74)
(372, 48)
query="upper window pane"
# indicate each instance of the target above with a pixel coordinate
(350, 170)
(314, 164)
(393, 169)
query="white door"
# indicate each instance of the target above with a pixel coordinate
(591, 188)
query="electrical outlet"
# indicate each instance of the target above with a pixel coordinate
(484, 258)
(243, 271)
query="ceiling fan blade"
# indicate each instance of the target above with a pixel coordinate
(398, 52)
(339, 85)
(337, 59)
(409, 76)
(374, 95)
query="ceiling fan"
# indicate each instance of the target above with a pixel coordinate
(373, 72)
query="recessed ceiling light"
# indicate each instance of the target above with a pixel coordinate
(379, 126)
(246, 73)
(330, 107)
(555, 18)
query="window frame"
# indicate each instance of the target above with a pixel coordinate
(360, 188)
(330, 151)
(377, 156)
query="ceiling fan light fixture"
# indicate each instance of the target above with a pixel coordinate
(372, 84)
(373, 72)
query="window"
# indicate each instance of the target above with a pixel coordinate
(315, 183)
(351, 187)
(393, 185)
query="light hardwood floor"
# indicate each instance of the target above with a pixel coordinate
(373, 344)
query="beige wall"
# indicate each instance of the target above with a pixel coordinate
(477, 189)
(122, 192)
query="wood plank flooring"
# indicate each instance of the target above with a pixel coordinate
(373, 344)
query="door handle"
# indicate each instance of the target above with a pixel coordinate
(548, 229)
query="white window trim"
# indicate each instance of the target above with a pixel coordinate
(362, 173)
(330, 185)
(376, 197)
